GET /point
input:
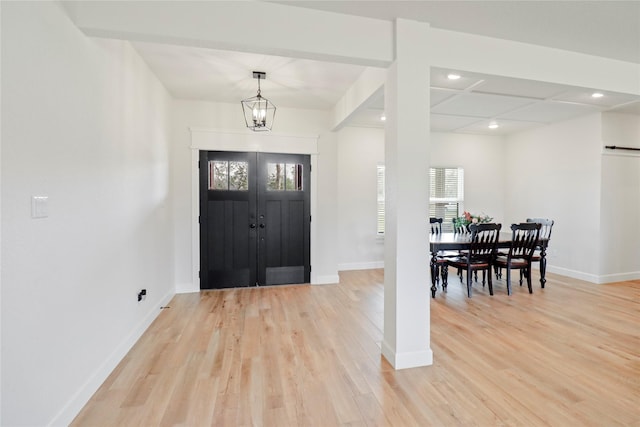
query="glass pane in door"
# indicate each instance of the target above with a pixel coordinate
(218, 175)
(275, 176)
(238, 176)
(294, 177)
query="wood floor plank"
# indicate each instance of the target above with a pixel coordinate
(305, 355)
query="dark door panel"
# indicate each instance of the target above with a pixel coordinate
(284, 209)
(230, 262)
(285, 275)
(227, 213)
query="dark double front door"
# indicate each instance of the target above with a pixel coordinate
(254, 219)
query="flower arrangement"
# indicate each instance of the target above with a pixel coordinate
(469, 218)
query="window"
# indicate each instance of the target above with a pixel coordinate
(284, 177)
(380, 213)
(228, 176)
(446, 195)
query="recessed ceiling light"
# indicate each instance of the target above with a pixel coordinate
(493, 125)
(383, 117)
(597, 95)
(453, 76)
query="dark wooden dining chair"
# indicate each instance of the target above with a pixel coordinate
(546, 225)
(524, 239)
(481, 254)
(461, 229)
(436, 225)
(439, 263)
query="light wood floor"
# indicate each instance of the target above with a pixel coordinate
(568, 355)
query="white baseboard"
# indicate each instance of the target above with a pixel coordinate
(594, 278)
(414, 359)
(328, 279)
(360, 265)
(587, 277)
(82, 396)
(186, 288)
(619, 277)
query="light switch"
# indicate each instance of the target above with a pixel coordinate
(39, 206)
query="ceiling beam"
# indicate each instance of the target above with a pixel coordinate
(487, 55)
(358, 96)
(245, 26)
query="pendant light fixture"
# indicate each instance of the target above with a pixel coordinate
(258, 111)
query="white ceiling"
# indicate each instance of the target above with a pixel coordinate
(225, 76)
(465, 105)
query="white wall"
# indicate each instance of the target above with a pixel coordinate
(483, 159)
(555, 172)
(85, 123)
(621, 129)
(620, 210)
(359, 152)
(325, 261)
(620, 199)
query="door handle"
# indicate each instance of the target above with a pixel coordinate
(262, 225)
(252, 225)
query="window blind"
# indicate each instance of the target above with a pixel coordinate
(380, 213)
(446, 195)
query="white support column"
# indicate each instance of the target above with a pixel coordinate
(406, 341)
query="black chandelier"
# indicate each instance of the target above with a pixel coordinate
(258, 111)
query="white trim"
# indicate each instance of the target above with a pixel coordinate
(195, 224)
(368, 265)
(313, 232)
(414, 359)
(329, 279)
(185, 288)
(620, 152)
(587, 277)
(247, 141)
(218, 131)
(619, 277)
(88, 389)
(594, 278)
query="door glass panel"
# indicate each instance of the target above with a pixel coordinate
(218, 175)
(275, 176)
(284, 177)
(294, 177)
(226, 176)
(238, 176)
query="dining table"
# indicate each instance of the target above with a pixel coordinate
(462, 241)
